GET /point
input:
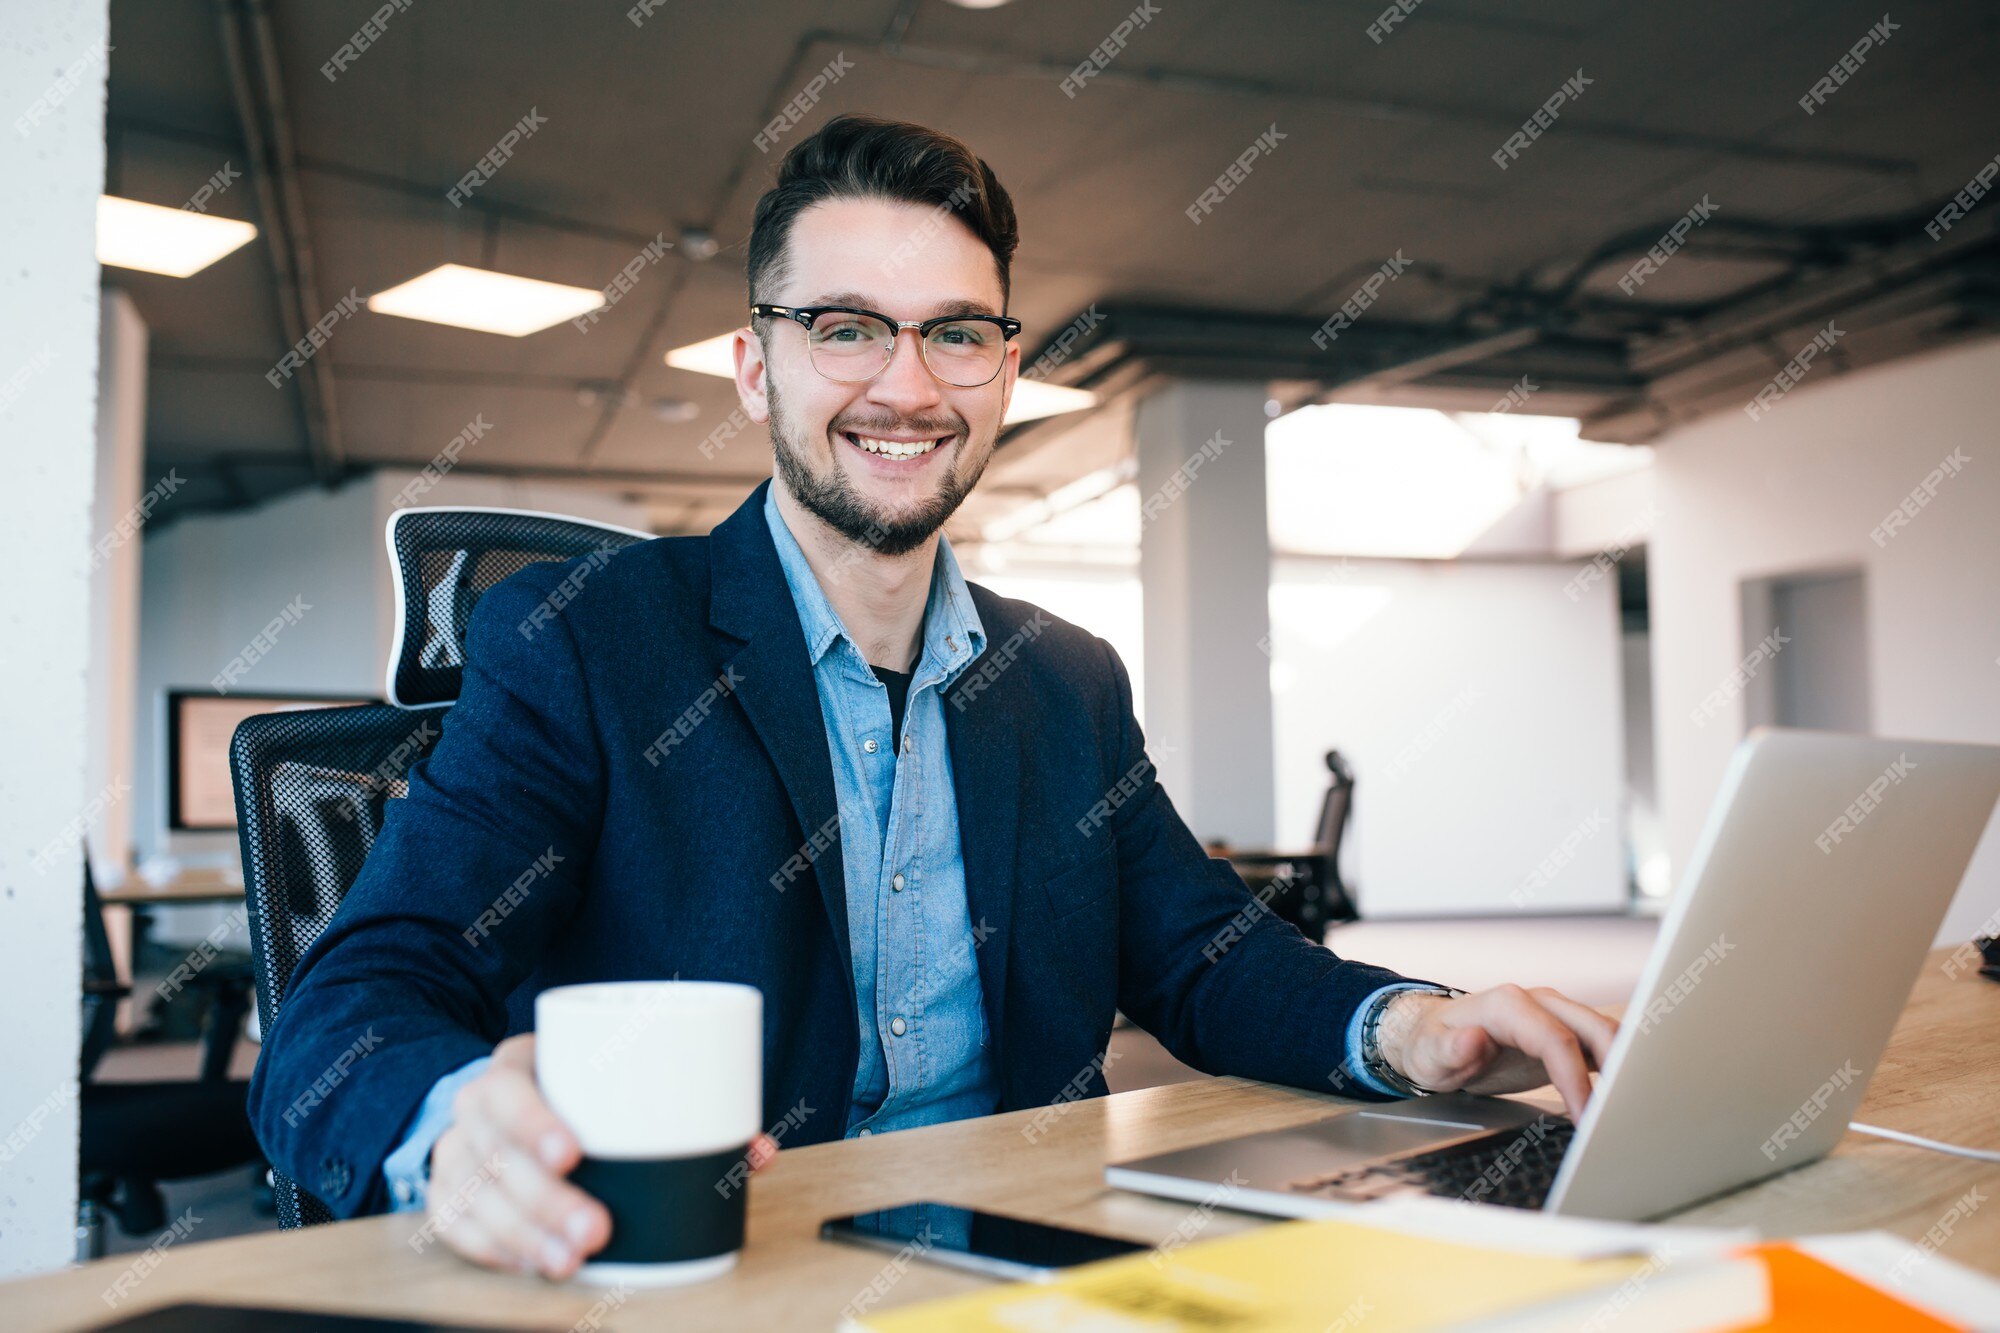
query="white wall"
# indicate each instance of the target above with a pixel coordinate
(1800, 490)
(1479, 705)
(211, 585)
(212, 582)
(52, 159)
(1102, 599)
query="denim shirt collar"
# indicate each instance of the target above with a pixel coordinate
(953, 636)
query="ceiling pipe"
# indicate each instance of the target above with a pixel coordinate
(258, 90)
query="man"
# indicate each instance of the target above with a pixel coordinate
(918, 816)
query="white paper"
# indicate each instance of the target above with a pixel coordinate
(1912, 1273)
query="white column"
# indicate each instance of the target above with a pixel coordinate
(113, 663)
(52, 158)
(1205, 570)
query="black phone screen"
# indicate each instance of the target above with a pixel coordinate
(967, 1238)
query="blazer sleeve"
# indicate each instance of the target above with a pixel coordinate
(1224, 983)
(479, 865)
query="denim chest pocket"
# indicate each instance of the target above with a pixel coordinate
(1070, 891)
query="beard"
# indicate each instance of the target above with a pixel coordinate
(832, 499)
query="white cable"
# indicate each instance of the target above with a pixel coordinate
(1917, 1141)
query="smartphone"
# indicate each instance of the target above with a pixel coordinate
(1005, 1247)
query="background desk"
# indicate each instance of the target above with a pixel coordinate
(127, 930)
(181, 891)
(1941, 1078)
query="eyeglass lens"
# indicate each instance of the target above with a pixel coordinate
(965, 353)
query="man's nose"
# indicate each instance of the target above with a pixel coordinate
(906, 384)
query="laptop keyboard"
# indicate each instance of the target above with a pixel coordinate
(1514, 1168)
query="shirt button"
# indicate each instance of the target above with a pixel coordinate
(909, 744)
(898, 1026)
(863, 1133)
(869, 745)
(405, 1191)
(897, 883)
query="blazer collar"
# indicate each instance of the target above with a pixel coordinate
(748, 600)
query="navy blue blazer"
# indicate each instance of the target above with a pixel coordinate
(1097, 897)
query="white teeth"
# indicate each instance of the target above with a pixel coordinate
(895, 448)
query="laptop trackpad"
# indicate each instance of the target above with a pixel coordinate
(1366, 1135)
(1420, 1123)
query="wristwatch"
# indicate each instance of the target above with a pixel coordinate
(1373, 1062)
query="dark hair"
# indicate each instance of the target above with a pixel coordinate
(868, 157)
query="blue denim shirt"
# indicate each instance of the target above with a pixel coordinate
(925, 1053)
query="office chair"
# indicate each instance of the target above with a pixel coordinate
(132, 1136)
(313, 786)
(1306, 888)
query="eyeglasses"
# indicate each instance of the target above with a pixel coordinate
(850, 346)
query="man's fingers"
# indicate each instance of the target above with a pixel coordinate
(1515, 1018)
(508, 1096)
(455, 1184)
(1596, 1031)
(469, 1240)
(558, 1210)
(517, 1053)
(763, 1150)
(501, 1217)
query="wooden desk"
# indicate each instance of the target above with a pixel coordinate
(1941, 1078)
(180, 892)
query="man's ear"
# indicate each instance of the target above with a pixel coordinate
(752, 385)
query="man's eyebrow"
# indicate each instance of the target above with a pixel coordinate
(958, 306)
(961, 307)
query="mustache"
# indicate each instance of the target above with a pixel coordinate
(901, 425)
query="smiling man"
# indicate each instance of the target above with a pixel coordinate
(946, 893)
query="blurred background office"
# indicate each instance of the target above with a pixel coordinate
(1466, 419)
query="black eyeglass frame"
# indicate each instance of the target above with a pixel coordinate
(804, 316)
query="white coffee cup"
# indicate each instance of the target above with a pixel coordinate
(662, 1084)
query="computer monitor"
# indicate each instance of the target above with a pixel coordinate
(200, 797)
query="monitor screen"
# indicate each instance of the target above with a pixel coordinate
(199, 726)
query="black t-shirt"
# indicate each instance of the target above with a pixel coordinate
(898, 685)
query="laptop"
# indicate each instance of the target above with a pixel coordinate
(1782, 964)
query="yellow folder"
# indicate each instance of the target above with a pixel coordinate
(1294, 1277)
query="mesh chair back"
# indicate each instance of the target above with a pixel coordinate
(445, 560)
(1339, 800)
(101, 989)
(312, 789)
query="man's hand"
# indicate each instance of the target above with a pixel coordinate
(524, 1214)
(1502, 1040)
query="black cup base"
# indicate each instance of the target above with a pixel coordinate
(664, 1210)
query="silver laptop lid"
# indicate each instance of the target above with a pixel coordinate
(1817, 887)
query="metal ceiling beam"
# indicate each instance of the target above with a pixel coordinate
(1405, 110)
(258, 90)
(424, 191)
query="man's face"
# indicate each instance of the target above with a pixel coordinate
(910, 263)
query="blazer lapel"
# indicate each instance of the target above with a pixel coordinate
(984, 739)
(750, 600)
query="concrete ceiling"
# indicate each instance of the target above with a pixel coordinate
(1387, 150)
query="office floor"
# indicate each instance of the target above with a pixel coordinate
(1594, 958)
